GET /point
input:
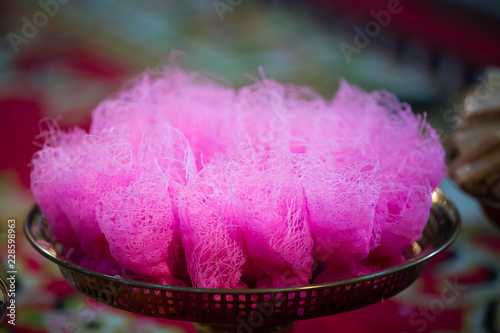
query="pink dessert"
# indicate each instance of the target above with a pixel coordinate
(185, 181)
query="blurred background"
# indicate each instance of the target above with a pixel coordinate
(60, 58)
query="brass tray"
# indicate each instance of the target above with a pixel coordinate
(252, 310)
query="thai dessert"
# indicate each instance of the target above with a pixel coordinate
(182, 180)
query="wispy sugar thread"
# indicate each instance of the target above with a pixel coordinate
(249, 184)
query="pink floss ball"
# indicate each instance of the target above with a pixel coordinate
(211, 235)
(49, 165)
(138, 223)
(271, 208)
(185, 181)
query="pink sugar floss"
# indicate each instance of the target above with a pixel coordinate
(184, 181)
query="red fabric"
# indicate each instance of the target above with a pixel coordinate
(19, 127)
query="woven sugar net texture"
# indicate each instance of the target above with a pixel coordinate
(183, 180)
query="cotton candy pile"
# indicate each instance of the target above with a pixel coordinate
(184, 181)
